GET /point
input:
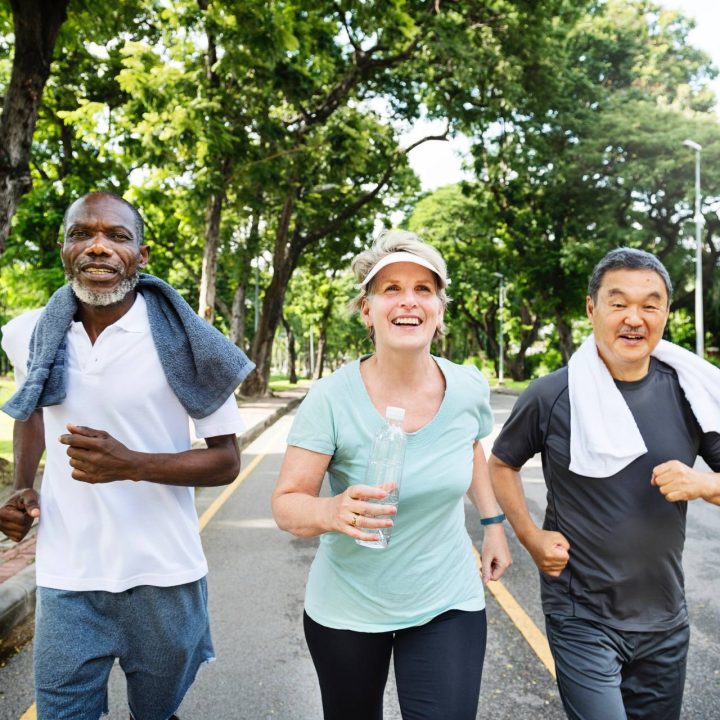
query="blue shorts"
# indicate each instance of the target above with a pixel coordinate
(161, 636)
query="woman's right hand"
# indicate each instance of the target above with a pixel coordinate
(299, 509)
(351, 513)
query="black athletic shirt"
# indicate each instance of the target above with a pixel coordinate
(626, 540)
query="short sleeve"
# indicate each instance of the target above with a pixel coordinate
(314, 427)
(226, 420)
(16, 342)
(710, 450)
(522, 434)
(482, 399)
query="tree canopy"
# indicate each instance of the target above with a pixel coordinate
(267, 139)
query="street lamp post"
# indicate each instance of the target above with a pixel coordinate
(312, 353)
(699, 320)
(501, 369)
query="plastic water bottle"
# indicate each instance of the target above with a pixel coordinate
(385, 469)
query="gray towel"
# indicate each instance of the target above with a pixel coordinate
(201, 365)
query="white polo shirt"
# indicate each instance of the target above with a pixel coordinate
(114, 536)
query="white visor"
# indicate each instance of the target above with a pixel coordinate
(398, 257)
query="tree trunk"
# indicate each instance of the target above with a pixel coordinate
(284, 261)
(321, 350)
(565, 340)
(206, 304)
(324, 322)
(237, 317)
(291, 351)
(36, 25)
(531, 328)
(484, 333)
(270, 317)
(213, 215)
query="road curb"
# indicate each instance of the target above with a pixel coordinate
(505, 391)
(17, 593)
(17, 600)
(257, 430)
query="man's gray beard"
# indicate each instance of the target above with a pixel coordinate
(103, 299)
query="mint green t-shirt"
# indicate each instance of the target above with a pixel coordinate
(429, 566)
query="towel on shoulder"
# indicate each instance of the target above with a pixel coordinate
(599, 448)
(201, 365)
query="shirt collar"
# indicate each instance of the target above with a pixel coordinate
(135, 320)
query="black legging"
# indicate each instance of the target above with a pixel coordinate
(438, 667)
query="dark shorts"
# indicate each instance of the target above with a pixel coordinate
(160, 635)
(607, 674)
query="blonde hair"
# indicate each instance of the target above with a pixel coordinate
(391, 241)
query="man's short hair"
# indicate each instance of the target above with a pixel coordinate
(139, 224)
(625, 258)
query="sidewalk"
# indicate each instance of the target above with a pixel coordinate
(17, 571)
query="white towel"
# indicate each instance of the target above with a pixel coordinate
(604, 437)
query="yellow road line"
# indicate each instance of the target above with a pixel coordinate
(528, 629)
(205, 518)
(221, 499)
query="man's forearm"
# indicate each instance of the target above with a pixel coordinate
(28, 447)
(200, 467)
(549, 549)
(509, 492)
(95, 456)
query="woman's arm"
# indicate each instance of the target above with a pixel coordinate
(297, 507)
(496, 557)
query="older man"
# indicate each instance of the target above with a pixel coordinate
(618, 431)
(110, 372)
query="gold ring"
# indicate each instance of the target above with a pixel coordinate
(353, 522)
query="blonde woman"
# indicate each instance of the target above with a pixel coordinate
(420, 600)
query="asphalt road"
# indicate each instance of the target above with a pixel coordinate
(257, 578)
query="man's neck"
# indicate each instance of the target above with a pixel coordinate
(630, 373)
(95, 318)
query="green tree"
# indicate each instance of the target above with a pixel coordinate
(600, 166)
(74, 151)
(35, 27)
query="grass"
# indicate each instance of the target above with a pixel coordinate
(508, 384)
(278, 383)
(7, 388)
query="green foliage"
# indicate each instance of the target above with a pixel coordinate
(318, 299)
(289, 115)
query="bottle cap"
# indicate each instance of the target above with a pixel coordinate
(394, 413)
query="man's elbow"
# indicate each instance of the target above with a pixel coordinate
(226, 458)
(228, 469)
(231, 471)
